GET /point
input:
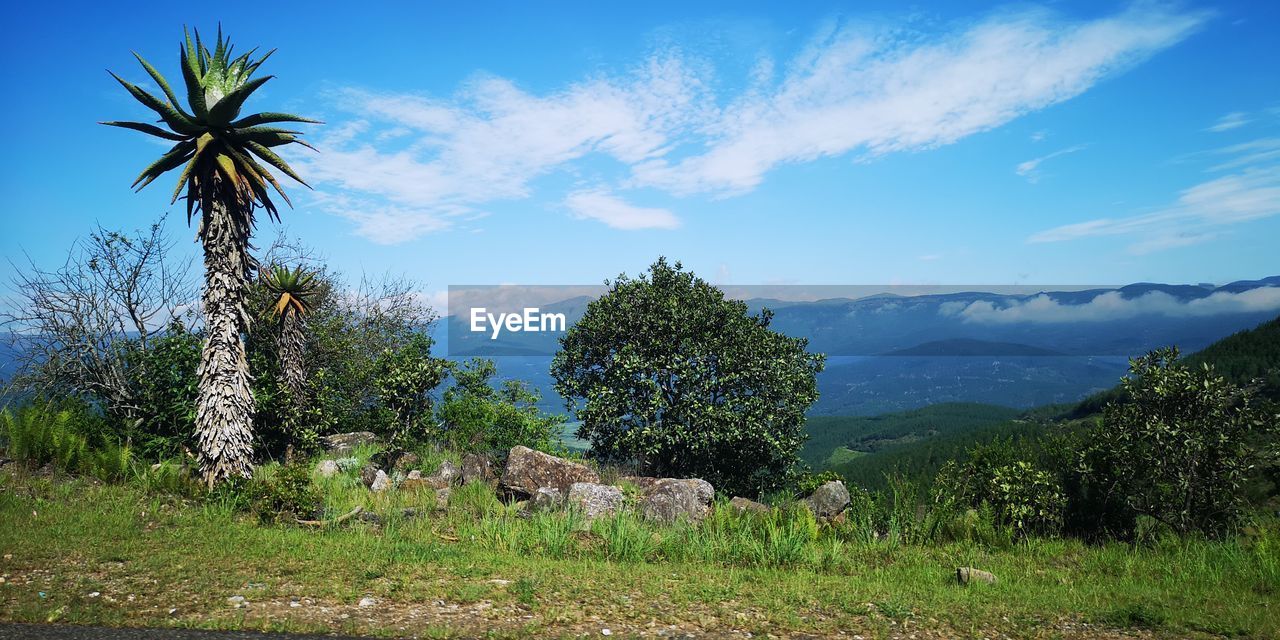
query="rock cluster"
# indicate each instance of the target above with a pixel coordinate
(543, 482)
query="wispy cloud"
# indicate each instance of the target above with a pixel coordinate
(613, 211)
(1233, 120)
(403, 165)
(1114, 306)
(1199, 213)
(1031, 168)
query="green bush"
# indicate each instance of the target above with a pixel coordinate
(1021, 496)
(1177, 448)
(284, 495)
(477, 417)
(806, 482)
(165, 387)
(666, 373)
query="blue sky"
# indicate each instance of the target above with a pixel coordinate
(827, 143)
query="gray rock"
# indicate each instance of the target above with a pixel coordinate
(369, 474)
(528, 470)
(476, 467)
(341, 444)
(416, 482)
(448, 474)
(671, 500)
(380, 482)
(367, 602)
(828, 500)
(546, 499)
(370, 517)
(595, 500)
(969, 575)
(327, 468)
(744, 505)
(442, 498)
(406, 461)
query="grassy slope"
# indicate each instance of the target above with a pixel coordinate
(443, 576)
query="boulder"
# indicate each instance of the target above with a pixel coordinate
(327, 468)
(546, 499)
(447, 474)
(969, 575)
(828, 500)
(405, 462)
(395, 460)
(528, 470)
(369, 473)
(415, 482)
(744, 505)
(341, 444)
(595, 500)
(442, 498)
(374, 478)
(671, 500)
(476, 467)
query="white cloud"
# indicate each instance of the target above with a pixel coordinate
(1031, 168)
(404, 165)
(609, 209)
(1112, 305)
(863, 89)
(1233, 120)
(1197, 215)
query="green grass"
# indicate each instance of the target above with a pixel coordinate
(481, 569)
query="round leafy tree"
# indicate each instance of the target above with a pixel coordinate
(667, 374)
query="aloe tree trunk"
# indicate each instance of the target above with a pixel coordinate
(292, 343)
(224, 407)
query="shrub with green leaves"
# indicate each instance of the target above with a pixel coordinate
(1021, 495)
(665, 372)
(287, 494)
(475, 416)
(403, 378)
(1177, 448)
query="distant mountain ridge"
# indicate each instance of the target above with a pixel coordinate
(970, 347)
(889, 352)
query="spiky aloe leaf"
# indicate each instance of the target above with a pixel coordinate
(146, 128)
(269, 117)
(177, 121)
(276, 161)
(164, 85)
(176, 156)
(248, 159)
(191, 76)
(271, 138)
(221, 113)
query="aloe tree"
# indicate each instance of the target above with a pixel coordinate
(293, 293)
(221, 157)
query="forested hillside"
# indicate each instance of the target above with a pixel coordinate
(915, 444)
(871, 434)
